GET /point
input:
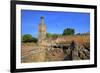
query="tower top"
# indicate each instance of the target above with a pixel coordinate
(42, 20)
(42, 17)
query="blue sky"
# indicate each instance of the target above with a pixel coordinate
(55, 22)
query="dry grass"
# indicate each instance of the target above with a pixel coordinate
(79, 39)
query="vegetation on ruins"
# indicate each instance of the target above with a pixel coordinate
(48, 35)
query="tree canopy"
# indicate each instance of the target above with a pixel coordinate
(68, 31)
(28, 38)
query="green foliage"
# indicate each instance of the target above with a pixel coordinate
(28, 38)
(49, 35)
(56, 35)
(34, 40)
(68, 31)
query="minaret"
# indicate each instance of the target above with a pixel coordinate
(42, 31)
(41, 56)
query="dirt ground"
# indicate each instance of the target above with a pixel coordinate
(32, 52)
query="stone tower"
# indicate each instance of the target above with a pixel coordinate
(41, 56)
(42, 31)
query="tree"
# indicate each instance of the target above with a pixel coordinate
(26, 38)
(68, 31)
(33, 40)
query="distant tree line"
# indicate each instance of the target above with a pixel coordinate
(48, 35)
(87, 33)
(66, 31)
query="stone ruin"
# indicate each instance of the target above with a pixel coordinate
(69, 52)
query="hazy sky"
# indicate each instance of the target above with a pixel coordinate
(55, 22)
